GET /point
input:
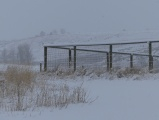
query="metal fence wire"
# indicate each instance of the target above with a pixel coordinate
(57, 59)
(99, 56)
(91, 59)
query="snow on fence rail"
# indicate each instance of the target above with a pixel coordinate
(102, 56)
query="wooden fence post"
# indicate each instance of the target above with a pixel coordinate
(110, 56)
(151, 62)
(108, 63)
(131, 61)
(40, 67)
(45, 58)
(70, 59)
(74, 58)
(150, 56)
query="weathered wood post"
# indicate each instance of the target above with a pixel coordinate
(131, 61)
(150, 56)
(45, 58)
(108, 64)
(40, 67)
(74, 58)
(70, 59)
(110, 56)
(151, 62)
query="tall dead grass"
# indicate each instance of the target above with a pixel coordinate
(60, 96)
(22, 90)
(19, 79)
(129, 72)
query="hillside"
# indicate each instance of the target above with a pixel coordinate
(37, 43)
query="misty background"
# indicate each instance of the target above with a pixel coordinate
(26, 18)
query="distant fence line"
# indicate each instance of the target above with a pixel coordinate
(73, 56)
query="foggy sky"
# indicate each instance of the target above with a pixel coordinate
(26, 18)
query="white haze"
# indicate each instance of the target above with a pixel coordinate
(26, 18)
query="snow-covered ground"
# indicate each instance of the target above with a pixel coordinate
(117, 99)
(130, 98)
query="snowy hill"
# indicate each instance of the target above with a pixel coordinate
(37, 43)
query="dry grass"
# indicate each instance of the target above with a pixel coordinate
(60, 96)
(22, 90)
(19, 79)
(128, 72)
(80, 71)
(19, 75)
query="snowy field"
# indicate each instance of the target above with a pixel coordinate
(134, 98)
(110, 97)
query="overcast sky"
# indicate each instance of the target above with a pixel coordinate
(26, 18)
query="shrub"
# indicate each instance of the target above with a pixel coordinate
(18, 81)
(24, 89)
(24, 54)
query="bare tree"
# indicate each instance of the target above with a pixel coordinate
(24, 54)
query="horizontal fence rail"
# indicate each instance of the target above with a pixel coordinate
(102, 56)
